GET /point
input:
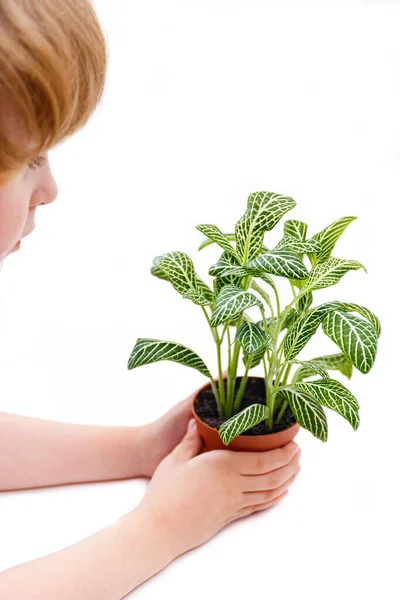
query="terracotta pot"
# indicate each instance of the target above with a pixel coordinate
(252, 443)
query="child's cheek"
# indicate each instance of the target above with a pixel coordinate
(13, 216)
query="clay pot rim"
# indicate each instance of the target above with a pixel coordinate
(255, 437)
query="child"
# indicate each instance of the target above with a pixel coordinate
(53, 60)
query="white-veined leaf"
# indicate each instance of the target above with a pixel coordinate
(297, 229)
(280, 262)
(204, 290)
(178, 269)
(365, 312)
(307, 412)
(305, 327)
(266, 278)
(157, 272)
(242, 421)
(220, 282)
(305, 302)
(252, 338)
(214, 234)
(299, 246)
(224, 268)
(330, 235)
(289, 319)
(356, 338)
(230, 303)
(332, 362)
(230, 237)
(257, 358)
(196, 297)
(264, 210)
(312, 367)
(334, 395)
(330, 272)
(271, 326)
(147, 351)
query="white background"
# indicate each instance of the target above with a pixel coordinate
(206, 102)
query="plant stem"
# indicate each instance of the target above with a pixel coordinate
(232, 370)
(283, 408)
(264, 296)
(219, 396)
(215, 390)
(265, 383)
(293, 289)
(288, 368)
(240, 393)
(226, 328)
(229, 346)
(221, 383)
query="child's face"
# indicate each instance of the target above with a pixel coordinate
(33, 185)
(18, 201)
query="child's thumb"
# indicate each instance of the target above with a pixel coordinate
(190, 444)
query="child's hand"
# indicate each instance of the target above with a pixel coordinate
(192, 496)
(162, 436)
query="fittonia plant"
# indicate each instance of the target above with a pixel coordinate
(281, 333)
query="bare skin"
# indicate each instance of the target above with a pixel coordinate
(191, 497)
(38, 452)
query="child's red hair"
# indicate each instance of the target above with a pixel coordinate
(53, 60)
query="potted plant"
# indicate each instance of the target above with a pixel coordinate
(258, 413)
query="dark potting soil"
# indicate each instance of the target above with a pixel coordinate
(207, 410)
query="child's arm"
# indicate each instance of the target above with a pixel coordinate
(189, 499)
(36, 452)
(108, 564)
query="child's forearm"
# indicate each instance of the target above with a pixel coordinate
(36, 452)
(105, 566)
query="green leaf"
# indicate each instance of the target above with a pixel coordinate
(299, 246)
(271, 325)
(356, 338)
(297, 229)
(228, 236)
(197, 298)
(334, 395)
(311, 367)
(365, 312)
(245, 419)
(264, 210)
(214, 234)
(307, 412)
(303, 329)
(305, 302)
(330, 272)
(280, 262)
(204, 290)
(257, 358)
(252, 338)
(178, 269)
(231, 302)
(147, 351)
(156, 271)
(329, 236)
(332, 362)
(220, 282)
(289, 319)
(224, 268)
(267, 279)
